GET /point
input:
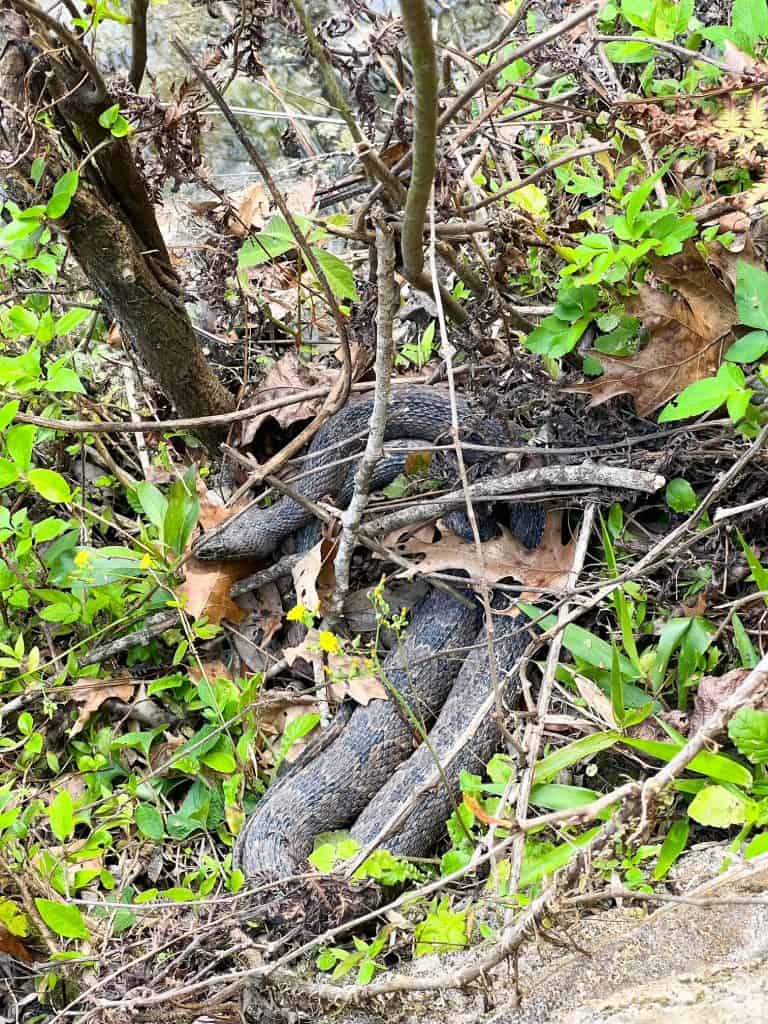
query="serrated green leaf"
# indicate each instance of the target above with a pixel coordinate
(748, 730)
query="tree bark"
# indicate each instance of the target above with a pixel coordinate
(110, 225)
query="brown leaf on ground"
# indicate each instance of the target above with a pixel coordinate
(348, 675)
(710, 693)
(687, 333)
(276, 716)
(546, 566)
(12, 946)
(91, 694)
(291, 374)
(208, 670)
(254, 206)
(313, 575)
(206, 589)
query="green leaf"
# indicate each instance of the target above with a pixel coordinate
(752, 292)
(629, 52)
(221, 758)
(23, 319)
(555, 337)
(181, 516)
(556, 797)
(153, 503)
(340, 278)
(275, 240)
(63, 380)
(749, 348)
(744, 645)
(36, 170)
(442, 931)
(50, 485)
(71, 319)
(108, 117)
(748, 730)
(536, 865)
(294, 731)
(63, 191)
(757, 846)
(704, 395)
(551, 765)
(63, 919)
(9, 472)
(8, 412)
(750, 18)
(715, 766)
(673, 845)
(19, 441)
(61, 815)
(149, 822)
(680, 496)
(717, 807)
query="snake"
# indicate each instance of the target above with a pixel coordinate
(391, 774)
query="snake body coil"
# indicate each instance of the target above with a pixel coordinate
(377, 775)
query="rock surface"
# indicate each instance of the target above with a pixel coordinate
(679, 962)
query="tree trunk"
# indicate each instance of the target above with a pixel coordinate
(110, 225)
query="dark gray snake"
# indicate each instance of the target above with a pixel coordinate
(376, 776)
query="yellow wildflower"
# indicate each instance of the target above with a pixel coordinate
(297, 613)
(329, 642)
(82, 558)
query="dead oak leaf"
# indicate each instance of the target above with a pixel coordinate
(348, 675)
(205, 591)
(687, 335)
(11, 946)
(291, 374)
(91, 693)
(546, 566)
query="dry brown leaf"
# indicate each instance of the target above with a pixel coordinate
(206, 589)
(710, 694)
(347, 675)
(274, 719)
(207, 584)
(91, 694)
(289, 374)
(546, 566)
(687, 334)
(595, 699)
(12, 946)
(208, 670)
(313, 575)
(254, 206)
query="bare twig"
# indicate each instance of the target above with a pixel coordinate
(352, 517)
(520, 483)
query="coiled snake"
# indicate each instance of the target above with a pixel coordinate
(376, 776)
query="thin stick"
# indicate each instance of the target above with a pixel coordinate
(220, 419)
(352, 517)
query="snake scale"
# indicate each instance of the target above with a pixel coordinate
(377, 777)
